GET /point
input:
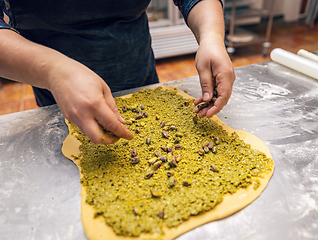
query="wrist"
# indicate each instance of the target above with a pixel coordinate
(212, 39)
(59, 70)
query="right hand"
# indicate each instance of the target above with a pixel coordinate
(86, 100)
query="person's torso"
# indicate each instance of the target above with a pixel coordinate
(111, 37)
(59, 14)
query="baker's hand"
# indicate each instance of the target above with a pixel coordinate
(86, 100)
(215, 69)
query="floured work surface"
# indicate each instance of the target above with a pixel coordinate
(178, 172)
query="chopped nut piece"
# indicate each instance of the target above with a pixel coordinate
(172, 182)
(173, 127)
(149, 175)
(134, 152)
(157, 117)
(214, 168)
(139, 116)
(169, 149)
(137, 130)
(206, 149)
(170, 173)
(148, 140)
(162, 124)
(178, 146)
(163, 158)
(152, 160)
(161, 214)
(179, 135)
(201, 152)
(135, 160)
(210, 145)
(173, 162)
(164, 148)
(157, 153)
(195, 118)
(217, 140)
(136, 210)
(165, 134)
(156, 165)
(214, 149)
(156, 193)
(187, 182)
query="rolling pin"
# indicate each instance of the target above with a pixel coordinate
(295, 62)
(308, 55)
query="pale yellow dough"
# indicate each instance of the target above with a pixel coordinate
(97, 229)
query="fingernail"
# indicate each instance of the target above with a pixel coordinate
(130, 135)
(122, 119)
(205, 97)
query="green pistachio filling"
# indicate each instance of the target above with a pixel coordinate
(176, 166)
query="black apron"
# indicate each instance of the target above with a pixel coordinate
(111, 37)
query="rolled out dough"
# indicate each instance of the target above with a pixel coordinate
(97, 229)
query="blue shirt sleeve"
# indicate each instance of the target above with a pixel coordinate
(186, 5)
(5, 9)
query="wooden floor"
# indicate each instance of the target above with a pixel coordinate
(16, 97)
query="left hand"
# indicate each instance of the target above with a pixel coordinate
(215, 69)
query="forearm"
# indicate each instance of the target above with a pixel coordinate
(214, 66)
(206, 21)
(24, 61)
(82, 96)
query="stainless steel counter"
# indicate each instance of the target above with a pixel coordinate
(40, 189)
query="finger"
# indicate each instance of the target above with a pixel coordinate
(112, 105)
(198, 100)
(203, 112)
(96, 134)
(224, 86)
(109, 139)
(108, 119)
(206, 81)
(216, 108)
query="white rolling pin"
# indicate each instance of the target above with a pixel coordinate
(308, 55)
(295, 62)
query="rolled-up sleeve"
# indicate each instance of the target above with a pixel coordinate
(185, 6)
(5, 10)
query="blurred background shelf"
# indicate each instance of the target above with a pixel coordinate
(250, 12)
(170, 35)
